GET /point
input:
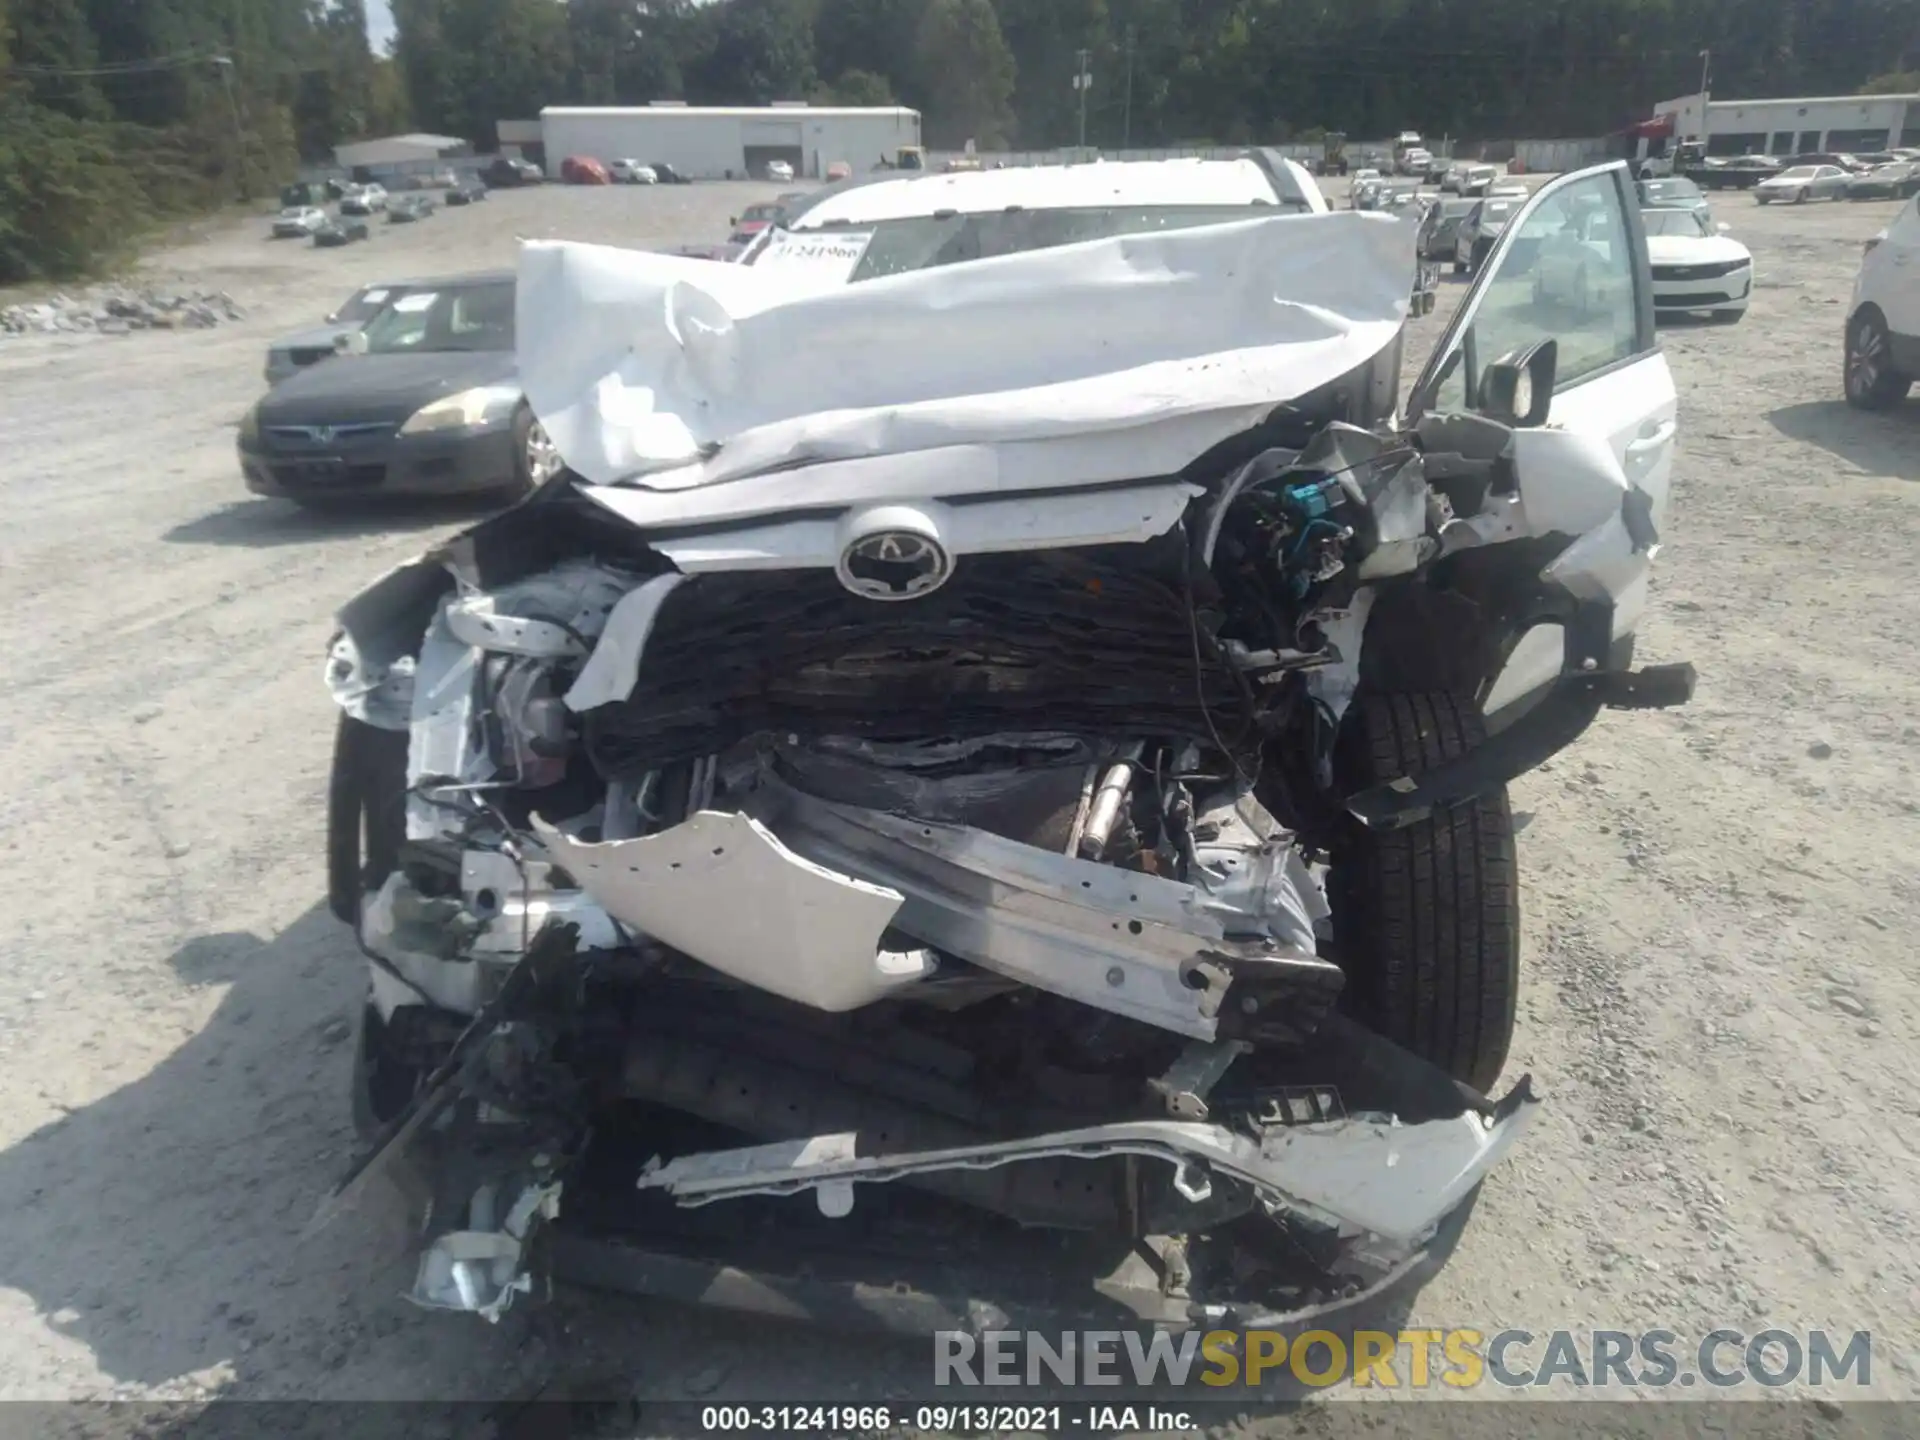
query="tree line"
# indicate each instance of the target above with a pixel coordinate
(1001, 72)
(117, 112)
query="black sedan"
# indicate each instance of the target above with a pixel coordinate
(423, 401)
(506, 171)
(1896, 180)
(466, 192)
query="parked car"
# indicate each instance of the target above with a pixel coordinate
(1801, 183)
(1454, 177)
(793, 859)
(1697, 268)
(1437, 241)
(291, 353)
(298, 221)
(363, 199)
(1675, 193)
(779, 171)
(1480, 178)
(668, 175)
(409, 208)
(1474, 239)
(504, 172)
(1896, 180)
(755, 218)
(839, 170)
(1362, 175)
(1504, 189)
(1437, 169)
(1365, 194)
(1738, 172)
(632, 172)
(466, 192)
(583, 170)
(1883, 321)
(426, 402)
(342, 230)
(1838, 158)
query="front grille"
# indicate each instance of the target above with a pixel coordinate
(1698, 272)
(1693, 300)
(1084, 642)
(328, 438)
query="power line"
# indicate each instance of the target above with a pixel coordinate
(118, 67)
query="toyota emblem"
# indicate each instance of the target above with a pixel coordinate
(894, 565)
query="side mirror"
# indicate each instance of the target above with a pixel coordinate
(1517, 389)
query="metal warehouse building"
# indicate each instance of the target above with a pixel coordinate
(1797, 126)
(713, 142)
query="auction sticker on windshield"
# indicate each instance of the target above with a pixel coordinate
(418, 300)
(831, 256)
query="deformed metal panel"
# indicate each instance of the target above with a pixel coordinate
(723, 889)
(1379, 1176)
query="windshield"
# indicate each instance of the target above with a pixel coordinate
(1674, 222)
(763, 214)
(926, 242)
(1454, 209)
(458, 319)
(1898, 170)
(1799, 172)
(1668, 191)
(365, 304)
(1497, 212)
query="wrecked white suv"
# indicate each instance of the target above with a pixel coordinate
(981, 793)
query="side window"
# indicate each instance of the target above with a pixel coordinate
(1570, 274)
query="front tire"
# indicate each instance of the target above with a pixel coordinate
(1426, 920)
(1872, 382)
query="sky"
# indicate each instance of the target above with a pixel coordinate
(379, 25)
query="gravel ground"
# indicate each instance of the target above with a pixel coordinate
(1715, 898)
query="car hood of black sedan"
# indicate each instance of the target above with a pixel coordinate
(362, 388)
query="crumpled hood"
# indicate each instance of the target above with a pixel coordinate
(1133, 354)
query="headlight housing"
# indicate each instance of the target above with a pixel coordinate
(483, 405)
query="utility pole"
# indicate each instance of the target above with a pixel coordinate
(1126, 107)
(224, 64)
(1083, 82)
(1706, 78)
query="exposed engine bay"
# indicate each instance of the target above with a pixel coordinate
(962, 832)
(1001, 875)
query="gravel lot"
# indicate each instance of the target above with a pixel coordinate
(1718, 900)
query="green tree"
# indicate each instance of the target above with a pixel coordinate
(858, 87)
(754, 52)
(966, 73)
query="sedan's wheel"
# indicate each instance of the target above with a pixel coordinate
(1426, 919)
(1872, 382)
(536, 458)
(1799, 197)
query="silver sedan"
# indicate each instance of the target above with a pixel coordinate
(1803, 183)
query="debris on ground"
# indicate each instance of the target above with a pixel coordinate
(119, 310)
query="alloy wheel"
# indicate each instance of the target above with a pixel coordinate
(543, 458)
(1866, 357)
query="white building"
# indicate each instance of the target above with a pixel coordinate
(712, 142)
(1796, 126)
(397, 151)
